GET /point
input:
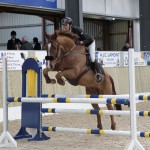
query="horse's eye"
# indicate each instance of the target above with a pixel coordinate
(51, 58)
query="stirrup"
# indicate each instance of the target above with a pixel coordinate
(99, 77)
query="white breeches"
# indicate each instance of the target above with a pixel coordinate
(48, 53)
(92, 51)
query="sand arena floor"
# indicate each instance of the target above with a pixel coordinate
(78, 141)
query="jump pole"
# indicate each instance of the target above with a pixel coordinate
(145, 97)
(6, 140)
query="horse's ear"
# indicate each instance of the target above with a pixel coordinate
(48, 36)
(59, 29)
(57, 32)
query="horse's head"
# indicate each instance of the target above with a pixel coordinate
(60, 43)
(53, 51)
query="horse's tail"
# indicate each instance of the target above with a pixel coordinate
(117, 106)
(113, 86)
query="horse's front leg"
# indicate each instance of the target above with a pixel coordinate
(99, 123)
(113, 124)
(47, 78)
(69, 74)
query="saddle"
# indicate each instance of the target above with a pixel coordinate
(95, 67)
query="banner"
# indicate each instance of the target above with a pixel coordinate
(138, 59)
(108, 59)
(146, 57)
(36, 3)
(14, 59)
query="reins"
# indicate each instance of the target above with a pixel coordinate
(70, 50)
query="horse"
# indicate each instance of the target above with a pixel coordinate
(69, 60)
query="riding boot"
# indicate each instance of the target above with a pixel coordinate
(99, 71)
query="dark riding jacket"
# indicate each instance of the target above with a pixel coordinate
(85, 38)
(11, 44)
(37, 46)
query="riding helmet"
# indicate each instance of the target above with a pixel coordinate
(66, 20)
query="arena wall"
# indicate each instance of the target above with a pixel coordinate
(119, 74)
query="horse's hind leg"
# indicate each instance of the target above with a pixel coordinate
(95, 106)
(113, 124)
(99, 123)
(108, 88)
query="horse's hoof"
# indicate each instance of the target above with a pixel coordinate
(100, 127)
(48, 81)
(113, 126)
(53, 81)
(61, 82)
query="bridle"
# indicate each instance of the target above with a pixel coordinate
(52, 58)
(49, 57)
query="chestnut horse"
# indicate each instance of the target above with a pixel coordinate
(70, 62)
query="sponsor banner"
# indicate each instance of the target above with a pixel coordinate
(41, 57)
(14, 59)
(138, 59)
(36, 3)
(146, 57)
(108, 59)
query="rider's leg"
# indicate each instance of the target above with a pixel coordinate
(91, 49)
(97, 66)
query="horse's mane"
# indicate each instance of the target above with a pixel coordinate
(68, 34)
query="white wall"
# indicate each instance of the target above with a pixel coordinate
(115, 8)
(61, 4)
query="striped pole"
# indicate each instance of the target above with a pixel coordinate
(85, 131)
(93, 131)
(69, 100)
(145, 97)
(94, 112)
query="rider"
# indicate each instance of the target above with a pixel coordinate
(84, 39)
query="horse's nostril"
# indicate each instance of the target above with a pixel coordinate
(51, 66)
